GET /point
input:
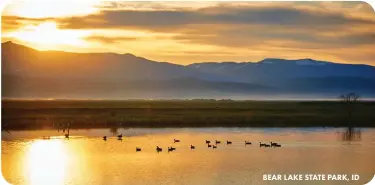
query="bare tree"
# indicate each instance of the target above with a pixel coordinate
(349, 98)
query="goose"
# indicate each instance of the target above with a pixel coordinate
(217, 142)
(105, 138)
(176, 140)
(119, 137)
(170, 149)
(214, 146)
(247, 143)
(192, 147)
(158, 149)
(262, 144)
(229, 142)
(137, 149)
(208, 142)
(275, 144)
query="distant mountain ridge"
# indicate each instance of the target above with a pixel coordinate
(30, 73)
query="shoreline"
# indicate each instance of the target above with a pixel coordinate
(18, 115)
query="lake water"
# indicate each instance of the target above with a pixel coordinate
(86, 159)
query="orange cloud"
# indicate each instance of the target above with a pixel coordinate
(192, 32)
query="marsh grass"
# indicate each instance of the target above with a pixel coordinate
(36, 114)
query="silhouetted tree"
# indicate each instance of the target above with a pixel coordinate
(349, 98)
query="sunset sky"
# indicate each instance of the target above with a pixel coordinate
(189, 32)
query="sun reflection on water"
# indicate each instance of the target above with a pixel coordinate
(86, 159)
(46, 162)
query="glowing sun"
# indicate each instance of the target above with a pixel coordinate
(47, 35)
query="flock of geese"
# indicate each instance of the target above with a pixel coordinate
(208, 143)
(192, 147)
(170, 149)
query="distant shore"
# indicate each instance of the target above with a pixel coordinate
(79, 114)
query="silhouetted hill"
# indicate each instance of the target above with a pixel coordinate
(29, 73)
(280, 70)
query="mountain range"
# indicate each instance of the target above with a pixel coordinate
(29, 73)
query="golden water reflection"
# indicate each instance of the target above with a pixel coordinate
(46, 162)
(85, 158)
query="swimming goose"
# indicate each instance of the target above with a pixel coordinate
(158, 149)
(170, 149)
(262, 144)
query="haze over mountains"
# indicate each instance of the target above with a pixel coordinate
(28, 73)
